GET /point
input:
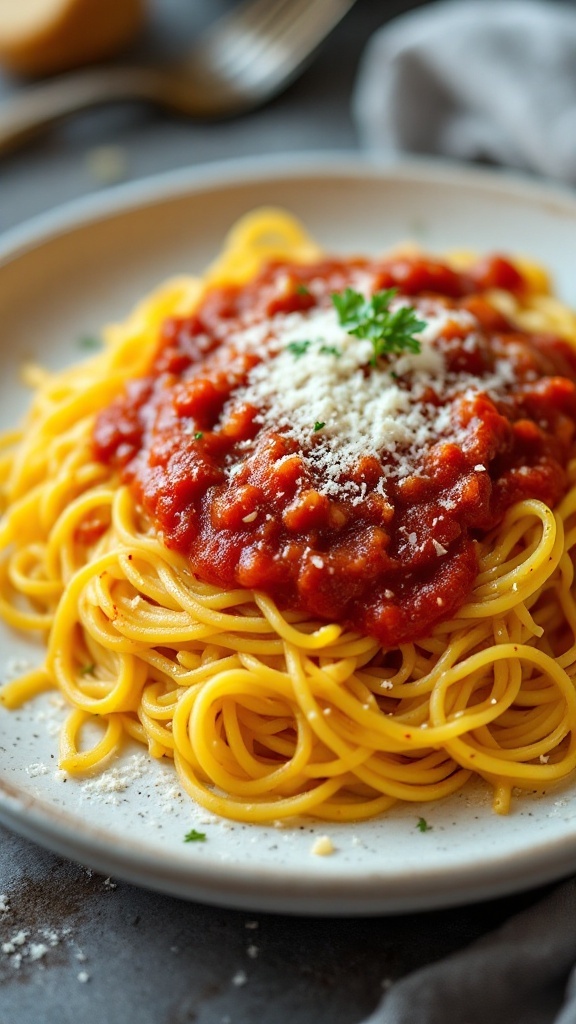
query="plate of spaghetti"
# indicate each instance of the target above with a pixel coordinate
(287, 548)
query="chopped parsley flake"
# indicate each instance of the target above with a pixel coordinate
(195, 837)
(330, 350)
(371, 319)
(198, 435)
(298, 348)
(89, 342)
(318, 425)
(423, 826)
(301, 289)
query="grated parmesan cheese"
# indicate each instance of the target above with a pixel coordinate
(117, 779)
(439, 548)
(322, 846)
(32, 945)
(37, 950)
(364, 412)
(17, 940)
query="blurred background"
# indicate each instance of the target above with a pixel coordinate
(101, 147)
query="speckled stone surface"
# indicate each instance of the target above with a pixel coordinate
(75, 946)
(156, 960)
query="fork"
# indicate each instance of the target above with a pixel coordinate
(245, 58)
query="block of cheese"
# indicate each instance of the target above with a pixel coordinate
(40, 37)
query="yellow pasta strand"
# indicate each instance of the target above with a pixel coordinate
(265, 713)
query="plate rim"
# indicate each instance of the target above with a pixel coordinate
(234, 885)
(129, 196)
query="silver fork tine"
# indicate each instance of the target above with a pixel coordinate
(239, 63)
(316, 18)
(292, 26)
(245, 15)
(233, 52)
(228, 36)
(261, 51)
(308, 20)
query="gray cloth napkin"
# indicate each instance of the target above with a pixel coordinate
(523, 973)
(476, 80)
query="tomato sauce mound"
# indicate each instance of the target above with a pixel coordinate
(389, 548)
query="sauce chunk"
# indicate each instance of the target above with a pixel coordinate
(270, 447)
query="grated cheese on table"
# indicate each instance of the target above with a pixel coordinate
(37, 950)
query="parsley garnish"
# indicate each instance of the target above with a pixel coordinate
(371, 319)
(330, 350)
(87, 670)
(298, 348)
(318, 425)
(301, 289)
(195, 837)
(89, 342)
(198, 435)
(423, 826)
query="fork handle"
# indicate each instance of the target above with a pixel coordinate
(28, 113)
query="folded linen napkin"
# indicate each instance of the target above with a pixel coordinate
(474, 79)
(523, 973)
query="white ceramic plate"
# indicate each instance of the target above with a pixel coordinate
(62, 278)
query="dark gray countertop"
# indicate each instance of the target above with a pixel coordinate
(313, 114)
(116, 953)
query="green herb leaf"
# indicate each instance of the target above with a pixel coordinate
(195, 837)
(198, 435)
(89, 342)
(301, 289)
(371, 319)
(318, 425)
(330, 350)
(423, 826)
(87, 670)
(298, 348)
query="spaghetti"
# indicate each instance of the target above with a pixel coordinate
(269, 706)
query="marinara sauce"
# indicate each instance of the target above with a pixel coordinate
(379, 538)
